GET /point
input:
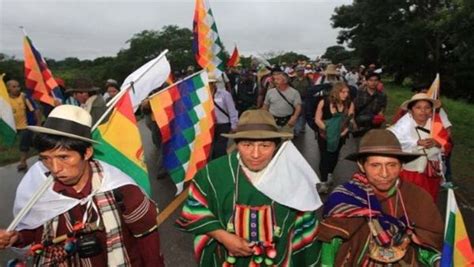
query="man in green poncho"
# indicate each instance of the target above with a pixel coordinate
(254, 207)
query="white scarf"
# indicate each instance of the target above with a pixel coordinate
(51, 203)
(289, 180)
(406, 133)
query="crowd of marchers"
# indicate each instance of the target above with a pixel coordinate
(245, 207)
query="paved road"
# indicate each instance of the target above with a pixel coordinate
(177, 246)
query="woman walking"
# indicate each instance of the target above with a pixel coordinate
(413, 131)
(332, 117)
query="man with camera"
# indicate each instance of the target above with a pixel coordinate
(93, 214)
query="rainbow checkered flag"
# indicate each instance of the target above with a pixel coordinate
(184, 113)
(38, 78)
(207, 46)
(457, 249)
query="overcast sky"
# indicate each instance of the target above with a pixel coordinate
(88, 29)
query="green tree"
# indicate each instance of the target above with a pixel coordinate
(288, 57)
(149, 44)
(412, 38)
(339, 54)
(12, 67)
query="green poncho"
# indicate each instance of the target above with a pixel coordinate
(210, 206)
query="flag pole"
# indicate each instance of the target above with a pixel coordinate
(46, 184)
(116, 98)
(114, 102)
(174, 204)
(435, 97)
(23, 29)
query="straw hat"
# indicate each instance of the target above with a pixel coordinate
(111, 82)
(421, 96)
(67, 120)
(381, 142)
(212, 77)
(257, 124)
(331, 69)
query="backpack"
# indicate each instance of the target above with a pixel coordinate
(315, 94)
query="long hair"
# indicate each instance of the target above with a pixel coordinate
(334, 99)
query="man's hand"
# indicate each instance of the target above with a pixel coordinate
(292, 121)
(7, 238)
(235, 245)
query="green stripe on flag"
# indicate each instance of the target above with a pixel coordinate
(7, 134)
(183, 154)
(177, 175)
(197, 81)
(450, 229)
(189, 134)
(195, 99)
(107, 153)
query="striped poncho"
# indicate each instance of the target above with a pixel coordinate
(210, 206)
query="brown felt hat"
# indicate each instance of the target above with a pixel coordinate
(380, 142)
(257, 124)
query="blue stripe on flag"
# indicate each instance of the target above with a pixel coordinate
(447, 255)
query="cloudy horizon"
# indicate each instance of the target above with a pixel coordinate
(100, 28)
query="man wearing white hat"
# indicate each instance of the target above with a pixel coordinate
(93, 214)
(226, 116)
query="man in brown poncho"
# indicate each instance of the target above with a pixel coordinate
(376, 219)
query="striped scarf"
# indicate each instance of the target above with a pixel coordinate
(353, 199)
(110, 216)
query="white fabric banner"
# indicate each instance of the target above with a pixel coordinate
(147, 78)
(51, 203)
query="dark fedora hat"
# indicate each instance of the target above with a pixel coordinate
(82, 84)
(380, 142)
(86, 89)
(67, 120)
(257, 124)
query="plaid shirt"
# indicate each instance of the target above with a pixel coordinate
(364, 105)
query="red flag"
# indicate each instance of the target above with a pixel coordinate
(234, 59)
(438, 131)
(440, 134)
(38, 78)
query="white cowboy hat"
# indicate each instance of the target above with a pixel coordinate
(67, 120)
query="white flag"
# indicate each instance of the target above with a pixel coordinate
(290, 180)
(147, 78)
